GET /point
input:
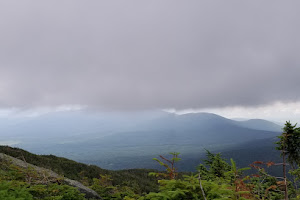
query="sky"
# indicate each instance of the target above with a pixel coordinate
(236, 58)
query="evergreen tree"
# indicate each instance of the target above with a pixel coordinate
(289, 145)
(215, 166)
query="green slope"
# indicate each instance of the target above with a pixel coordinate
(135, 178)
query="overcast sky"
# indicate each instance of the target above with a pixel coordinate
(135, 55)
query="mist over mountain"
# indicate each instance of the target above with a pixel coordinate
(131, 140)
(260, 124)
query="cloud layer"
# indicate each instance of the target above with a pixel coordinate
(149, 54)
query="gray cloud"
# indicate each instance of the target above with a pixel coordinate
(149, 54)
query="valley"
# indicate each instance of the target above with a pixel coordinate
(117, 141)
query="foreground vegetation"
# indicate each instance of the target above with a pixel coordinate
(134, 178)
(215, 178)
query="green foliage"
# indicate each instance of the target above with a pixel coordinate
(234, 173)
(221, 181)
(26, 184)
(215, 166)
(103, 186)
(264, 186)
(19, 190)
(290, 143)
(235, 176)
(55, 192)
(189, 188)
(14, 190)
(296, 174)
(169, 165)
(137, 179)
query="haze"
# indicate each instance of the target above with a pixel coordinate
(145, 55)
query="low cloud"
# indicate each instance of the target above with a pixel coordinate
(145, 55)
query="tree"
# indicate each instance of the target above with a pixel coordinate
(215, 166)
(169, 164)
(289, 145)
(240, 188)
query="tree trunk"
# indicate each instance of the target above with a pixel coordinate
(203, 193)
(284, 176)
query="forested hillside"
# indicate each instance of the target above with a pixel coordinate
(121, 141)
(136, 178)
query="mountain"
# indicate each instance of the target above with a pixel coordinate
(122, 141)
(188, 129)
(260, 124)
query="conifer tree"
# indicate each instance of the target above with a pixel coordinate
(289, 145)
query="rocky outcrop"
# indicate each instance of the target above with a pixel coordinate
(89, 193)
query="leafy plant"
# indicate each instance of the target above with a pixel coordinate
(14, 190)
(169, 164)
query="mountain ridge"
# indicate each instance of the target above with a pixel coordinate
(116, 144)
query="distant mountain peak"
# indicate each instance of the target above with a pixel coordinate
(260, 124)
(202, 115)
